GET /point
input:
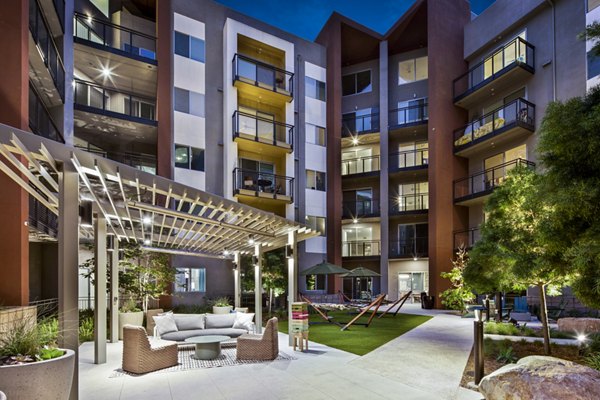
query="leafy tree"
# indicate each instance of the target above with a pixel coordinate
(515, 251)
(592, 32)
(460, 294)
(274, 274)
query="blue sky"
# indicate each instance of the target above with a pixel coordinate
(305, 18)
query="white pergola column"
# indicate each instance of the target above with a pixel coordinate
(68, 267)
(100, 290)
(292, 280)
(258, 289)
(114, 292)
(237, 283)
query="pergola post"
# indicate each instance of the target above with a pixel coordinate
(258, 288)
(68, 267)
(114, 292)
(292, 279)
(100, 290)
(237, 283)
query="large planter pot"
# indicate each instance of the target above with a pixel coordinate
(49, 379)
(130, 318)
(222, 310)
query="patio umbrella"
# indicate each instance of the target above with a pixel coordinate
(361, 272)
(324, 268)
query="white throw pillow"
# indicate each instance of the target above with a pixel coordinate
(243, 321)
(165, 323)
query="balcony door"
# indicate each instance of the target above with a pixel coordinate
(257, 175)
(413, 196)
(496, 168)
(358, 121)
(256, 123)
(357, 161)
(358, 241)
(412, 154)
(412, 240)
(358, 202)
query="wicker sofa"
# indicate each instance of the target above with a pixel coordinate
(190, 325)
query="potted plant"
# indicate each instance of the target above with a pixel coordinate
(221, 305)
(130, 314)
(31, 365)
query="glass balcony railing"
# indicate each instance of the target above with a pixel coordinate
(91, 95)
(44, 41)
(408, 116)
(360, 124)
(261, 74)
(466, 238)
(252, 127)
(410, 248)
(40, 121)
(361, 248)
(409, 159)
(360, 165)
(263, 183)
(485, 181)
(141, 161)
(115, 37)
(518, 112)
(409, 203)
(360, 209)
(517, 52)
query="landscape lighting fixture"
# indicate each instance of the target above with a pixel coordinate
(415, 258)
(146, 242)
(581, 337)
(355, 221)
(147, 220)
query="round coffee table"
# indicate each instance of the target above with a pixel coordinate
(207, 347)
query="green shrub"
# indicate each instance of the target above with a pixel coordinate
(506, 355)
(192, 309)
(593, 361)
(28, 341)
(48, 353)
(86, 329)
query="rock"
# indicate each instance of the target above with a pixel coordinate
(579, 325)
(542, 378)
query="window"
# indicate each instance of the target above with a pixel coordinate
(315, 282)
(189, 47)
(189, 102)
(189, 157)
(316, 223)
(315, 180)
(412, 70)
(414, 281)
(190, 280)
(593, 65)
(357, 83)
(314, 88)
(315, 134)
(412, 111)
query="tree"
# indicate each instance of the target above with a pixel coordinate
(274, 274)
(515, 251)
(460, 294)
(592, 32)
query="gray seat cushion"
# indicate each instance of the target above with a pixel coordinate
(219, 320)
(180, 336)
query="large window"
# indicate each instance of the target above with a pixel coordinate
(357, 83)
(189, 47)
(414, 281)
(412, 70)
(315, 282)
(316, 223)
(315, 180)
(315, 134)
(188, 157)
(189, 102)
(314, 88)
(593, 65)
(190, 280)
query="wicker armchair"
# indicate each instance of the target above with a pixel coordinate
(259, 347)
(139, 357)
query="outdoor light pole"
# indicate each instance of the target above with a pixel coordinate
(478, 345)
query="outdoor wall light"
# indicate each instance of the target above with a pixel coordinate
(355, 221)
(254, 260)
(289, 251)
(85, 212)
(415, 258)
(106, 72)
(355, 141)
(251, 240)
(225, 252)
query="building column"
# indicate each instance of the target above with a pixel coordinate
(114, 292)
(100, 290)
(258, 288)
(292, 279)
(237, 283)
(384, 193)
(68, 267)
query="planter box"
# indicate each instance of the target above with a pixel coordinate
(222, 310)
(130, 318)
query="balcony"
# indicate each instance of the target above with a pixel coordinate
(475, 188)
(410, 204)
(509, 64)
(409, 119)
(353, 126)
(40, 121)
(513, 120)
(410, 248)
(363, 166)
(411, 160)
(47, 65)
(360, 209)
(141, 161)
(113, 38)
(361, 248)
(274, 83)
(248, 127)
(466, 238)
(93, 98)
(43, 223)
(263, 185)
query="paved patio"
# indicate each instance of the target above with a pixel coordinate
(425, 363)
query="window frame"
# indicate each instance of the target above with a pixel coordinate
(315, 134)
(190, 53)
(190, 152)
(414, 62)
(201, 281)
(315, 226)
(316, 187)
(355, 74)
(317, 83)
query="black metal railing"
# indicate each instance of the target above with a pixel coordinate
(518, 112)
(409, 203)
(38, 26)
(360, 208)
(361, 248)
(517, 52)
(262, 130)
(258, 73)
(408, 115)
(409, 159)
(262, 182)
(114, 36)
(485, 181)
(466, 238)
(410, 248)
(92, 95)
(41, 218)
(40, 121)
(360, 124)
(141, 161)
(360, 165)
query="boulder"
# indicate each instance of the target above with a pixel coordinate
(579, 325)
(542, 378)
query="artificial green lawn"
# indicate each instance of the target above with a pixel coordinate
(358, 339)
